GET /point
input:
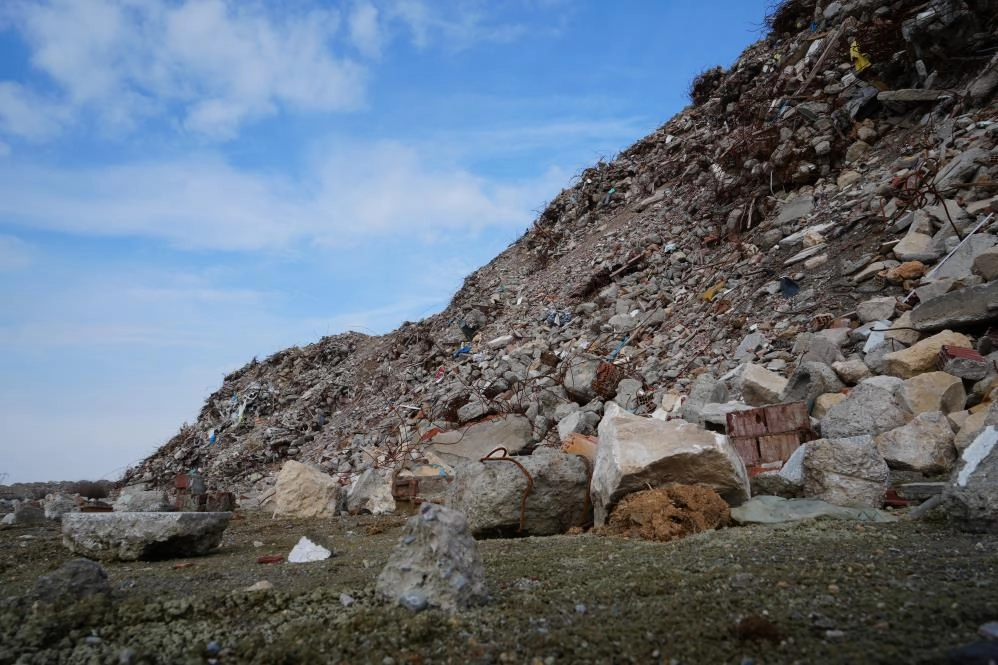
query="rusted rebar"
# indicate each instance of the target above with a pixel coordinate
(530, 480)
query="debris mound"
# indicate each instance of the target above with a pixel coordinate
(667, 513)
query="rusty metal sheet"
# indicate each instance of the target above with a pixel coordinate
(747, 423)
(748, 449)
(769, 433)
(778, 447)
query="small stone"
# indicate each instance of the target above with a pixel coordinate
(414, 600)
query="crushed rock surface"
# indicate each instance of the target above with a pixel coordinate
(824, 591)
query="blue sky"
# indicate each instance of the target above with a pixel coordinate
(187, 184)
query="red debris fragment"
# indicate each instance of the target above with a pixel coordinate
(271, 558)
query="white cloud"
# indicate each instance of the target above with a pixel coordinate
(25, 114)
(353, 192)
(213, 64)
(15, 254)
(365, 30)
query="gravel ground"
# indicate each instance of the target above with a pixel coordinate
(820, 592)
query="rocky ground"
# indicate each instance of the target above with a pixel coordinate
(740, 256)
(824, 591)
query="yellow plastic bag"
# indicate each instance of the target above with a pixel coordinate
(859, 60)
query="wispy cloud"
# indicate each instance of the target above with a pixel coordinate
(354, 192)
(15, 254)
(366, 31)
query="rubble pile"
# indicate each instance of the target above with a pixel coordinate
(817, 228)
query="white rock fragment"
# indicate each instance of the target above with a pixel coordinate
(307, 551)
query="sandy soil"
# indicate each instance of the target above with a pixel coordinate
(821, 592)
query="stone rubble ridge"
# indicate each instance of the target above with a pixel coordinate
(808, 230)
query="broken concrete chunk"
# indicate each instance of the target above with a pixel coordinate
(304, 490)
(922, 356)
(73, 581)
(760, 386)
(986, 264)
(138, 499)
(925, 444)
(142, 536)
(967, 306)
(512, 432)
(917, 247)
(634, 451)
(371, 492)
(868, 409)
(307, 551)
(933, 391)
(876, 309)
(494, 495)
(960, 264)
(912, 95)
(810, 380)
(705, 389)
(776, 510)
(845, 472)
(435, 564)
(971, 498)
(851, 371)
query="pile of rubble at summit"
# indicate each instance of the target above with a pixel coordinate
(809, 250)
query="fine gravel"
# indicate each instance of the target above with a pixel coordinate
(816, 592)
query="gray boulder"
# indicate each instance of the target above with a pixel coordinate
(71, 582)
(579, 378)
(705, 390)
(435, 564)
(967, 306)
(767, 509)
(142, 536)
(492, 494)
(868, 409)
(845, 472)
(513, 433)
(58, 504)
(25, 513)
(371, 492)
(809, 380)
(971, 498)
(137, 499)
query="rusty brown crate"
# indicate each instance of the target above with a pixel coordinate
(778, 447)
(748, 450)
(769, 433)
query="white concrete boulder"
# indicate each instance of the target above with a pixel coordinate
(474, 442)
(142, 536)
(436, 563)
(303, 490)
(371, 492)
(845, 472)
(925, 444)
(138, 499)
(869, 408)
(971, 498)
(635, 452)
(491, 494)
